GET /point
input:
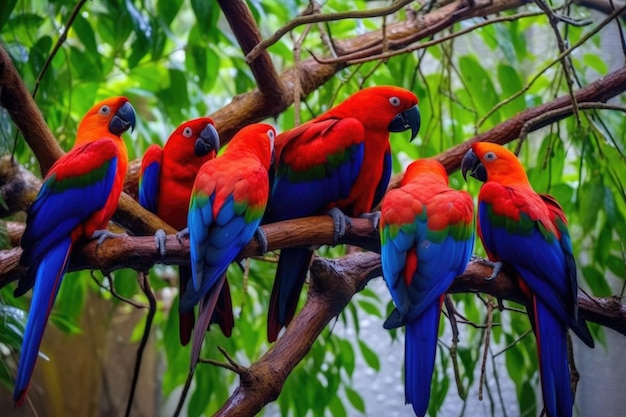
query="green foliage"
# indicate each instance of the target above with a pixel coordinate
(176, 60)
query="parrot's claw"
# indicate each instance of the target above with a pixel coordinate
(341, 221)
(183, 234)
(373, 217)
(497, 267)
(259, 234)
(160, 239)
(105, 234)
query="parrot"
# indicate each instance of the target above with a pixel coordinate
(228, 199)
(165, 183)
(427, 236)
(76, 201)
(528, 233)
(338, 163)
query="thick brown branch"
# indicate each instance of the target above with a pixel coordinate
(140, 253)
(244, 27)
(333, 283)
(14, 97)
(600, 90)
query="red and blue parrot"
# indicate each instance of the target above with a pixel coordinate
(527, 232)
(338, 163)
(165, 184)
(76, 201)
(227, 204)
(427, 236)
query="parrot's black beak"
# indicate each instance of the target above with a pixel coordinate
(405, 120)
(472, 164)
(207, 141)
(123, 119)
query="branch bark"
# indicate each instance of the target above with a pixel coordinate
(333, 283)
(247, 33)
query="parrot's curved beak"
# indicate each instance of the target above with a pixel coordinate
(208, 140)
(123, 119)
(472, 164)
(407, 119)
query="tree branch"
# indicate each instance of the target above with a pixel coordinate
(333, 283)
(14, 97)
(244, 27)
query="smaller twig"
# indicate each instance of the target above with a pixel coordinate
(483, 365)
(513, 343)
(575, 376)
(232, 365)
(566, 52)
(317, 18)
(496, 378)
(245, 283)
(113, 292)
(58, 44)
(547, 117)
(364, 55)
(144, 284)
(553, 19)
(297, 88)
(454, 347)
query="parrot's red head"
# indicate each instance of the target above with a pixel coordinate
(393, 109)
(109, 118)
(425, 166)
(258, 139)
(197, 137)
(488, 161)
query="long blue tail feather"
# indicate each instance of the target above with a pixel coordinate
(556, 383)
(50, 273)
(420, 348)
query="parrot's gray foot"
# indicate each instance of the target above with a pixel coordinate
(183, 234)
(105, 234)
(259, 234)
(341, 221)
(160, 239)
(373, 217)
(497, 267)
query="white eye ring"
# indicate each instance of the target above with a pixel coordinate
(271, 135)
(187, 132)
(104, 110)
(395, 101)
(490, 156)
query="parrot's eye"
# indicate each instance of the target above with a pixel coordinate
(395, 101)
(271, 135)
(490, 156)
(187, 132)
(104, 110)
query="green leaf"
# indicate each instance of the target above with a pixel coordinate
(596, 62)
(337, 408)
(125, 282)
(5, 11)
(355, 399)
(481, 89)
(527, 399)
(85, 33)
(511, 83)
(616, 265)
(370, 356)
(370, 308)
(596, 281)
(168, 9)
(65, 323)
(347, 356)
(591, 197)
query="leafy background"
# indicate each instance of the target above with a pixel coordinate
(178, 60)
